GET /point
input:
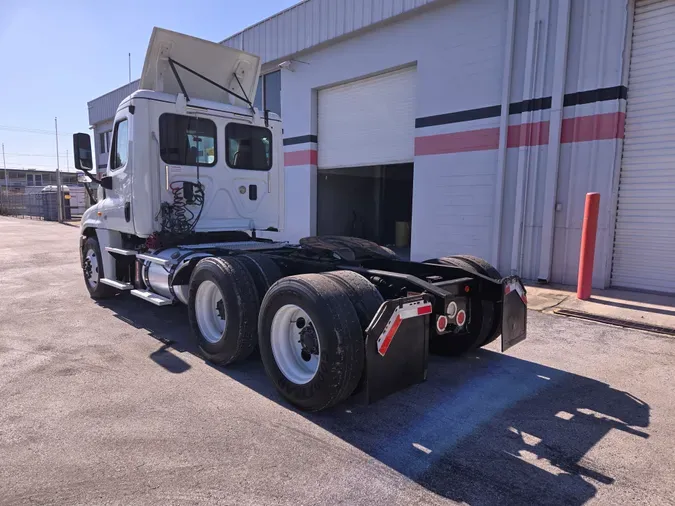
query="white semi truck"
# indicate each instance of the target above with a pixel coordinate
(196, 174)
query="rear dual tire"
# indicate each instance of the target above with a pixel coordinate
(338, 306)
(222, 306)
(309, 328)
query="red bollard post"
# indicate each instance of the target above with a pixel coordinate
(587, 253)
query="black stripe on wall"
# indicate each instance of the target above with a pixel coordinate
(302, 139)
(599, 95)
(534, 104)
(459, 117)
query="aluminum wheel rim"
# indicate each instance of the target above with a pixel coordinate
(91, 268)
(210, 322)
(286, 346)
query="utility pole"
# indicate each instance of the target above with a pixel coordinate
(129, 67)
(59, 195)
(4, 165)
(67, 163)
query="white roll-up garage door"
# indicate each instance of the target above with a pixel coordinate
(644, 244)
(368, 122)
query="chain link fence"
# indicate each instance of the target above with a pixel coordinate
(22, 205)
(42, 204)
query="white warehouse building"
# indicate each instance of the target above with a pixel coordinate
(481, 123)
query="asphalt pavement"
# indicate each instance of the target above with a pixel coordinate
(108, 403)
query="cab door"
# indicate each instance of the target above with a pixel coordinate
(116, 208)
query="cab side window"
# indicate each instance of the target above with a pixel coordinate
(120, 152)
(186, 140)
(248, 147)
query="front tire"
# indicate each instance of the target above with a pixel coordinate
(310, 341)
(92, 268)
(223, 307)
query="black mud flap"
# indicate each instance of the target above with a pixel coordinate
(514, 312)
(397, 346)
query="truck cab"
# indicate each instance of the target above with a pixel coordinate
(189, 153)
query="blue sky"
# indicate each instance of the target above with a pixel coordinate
(56, 55)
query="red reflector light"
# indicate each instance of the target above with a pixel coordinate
(441, 323)
(424, 310)
(467, 289)
(461, 318)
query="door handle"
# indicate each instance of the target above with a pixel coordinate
(127, 211)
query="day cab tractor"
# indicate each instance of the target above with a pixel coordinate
(187, 211)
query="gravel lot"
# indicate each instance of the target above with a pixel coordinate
(108, 403)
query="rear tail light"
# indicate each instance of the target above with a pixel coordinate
(460, 318)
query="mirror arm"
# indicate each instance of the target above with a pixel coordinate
(91, 194)
(88, 173)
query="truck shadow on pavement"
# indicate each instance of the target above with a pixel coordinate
(485, 428)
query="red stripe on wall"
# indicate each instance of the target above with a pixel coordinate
(594, 128)
(304, 157)
(581, 129)
(459, 142)
(527, 134)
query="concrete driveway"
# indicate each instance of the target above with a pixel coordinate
(108, 403)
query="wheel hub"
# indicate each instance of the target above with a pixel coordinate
(220, 309)
(210, 311)
(309, 342)
(90, 267)
(295, 344)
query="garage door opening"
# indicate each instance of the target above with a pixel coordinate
(373, 203)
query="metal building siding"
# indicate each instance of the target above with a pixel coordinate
(644, 247)
(368, 122)
(453, 193)
(595, 60)
(313, 22)
(104, 107)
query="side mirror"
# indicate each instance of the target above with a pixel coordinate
(106, 182)
(84, 159)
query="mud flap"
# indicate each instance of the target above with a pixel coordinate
(514, 312)
(397, 346)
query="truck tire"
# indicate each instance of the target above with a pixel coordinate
(392, 253)
(365, 298)
(481, 266)
(485, 312)
(363, 294)
(223, 307)
(347, 247)
(263, 270)
(310, 341)
(92, 268)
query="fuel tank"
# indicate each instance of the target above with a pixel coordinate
(158, 277)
